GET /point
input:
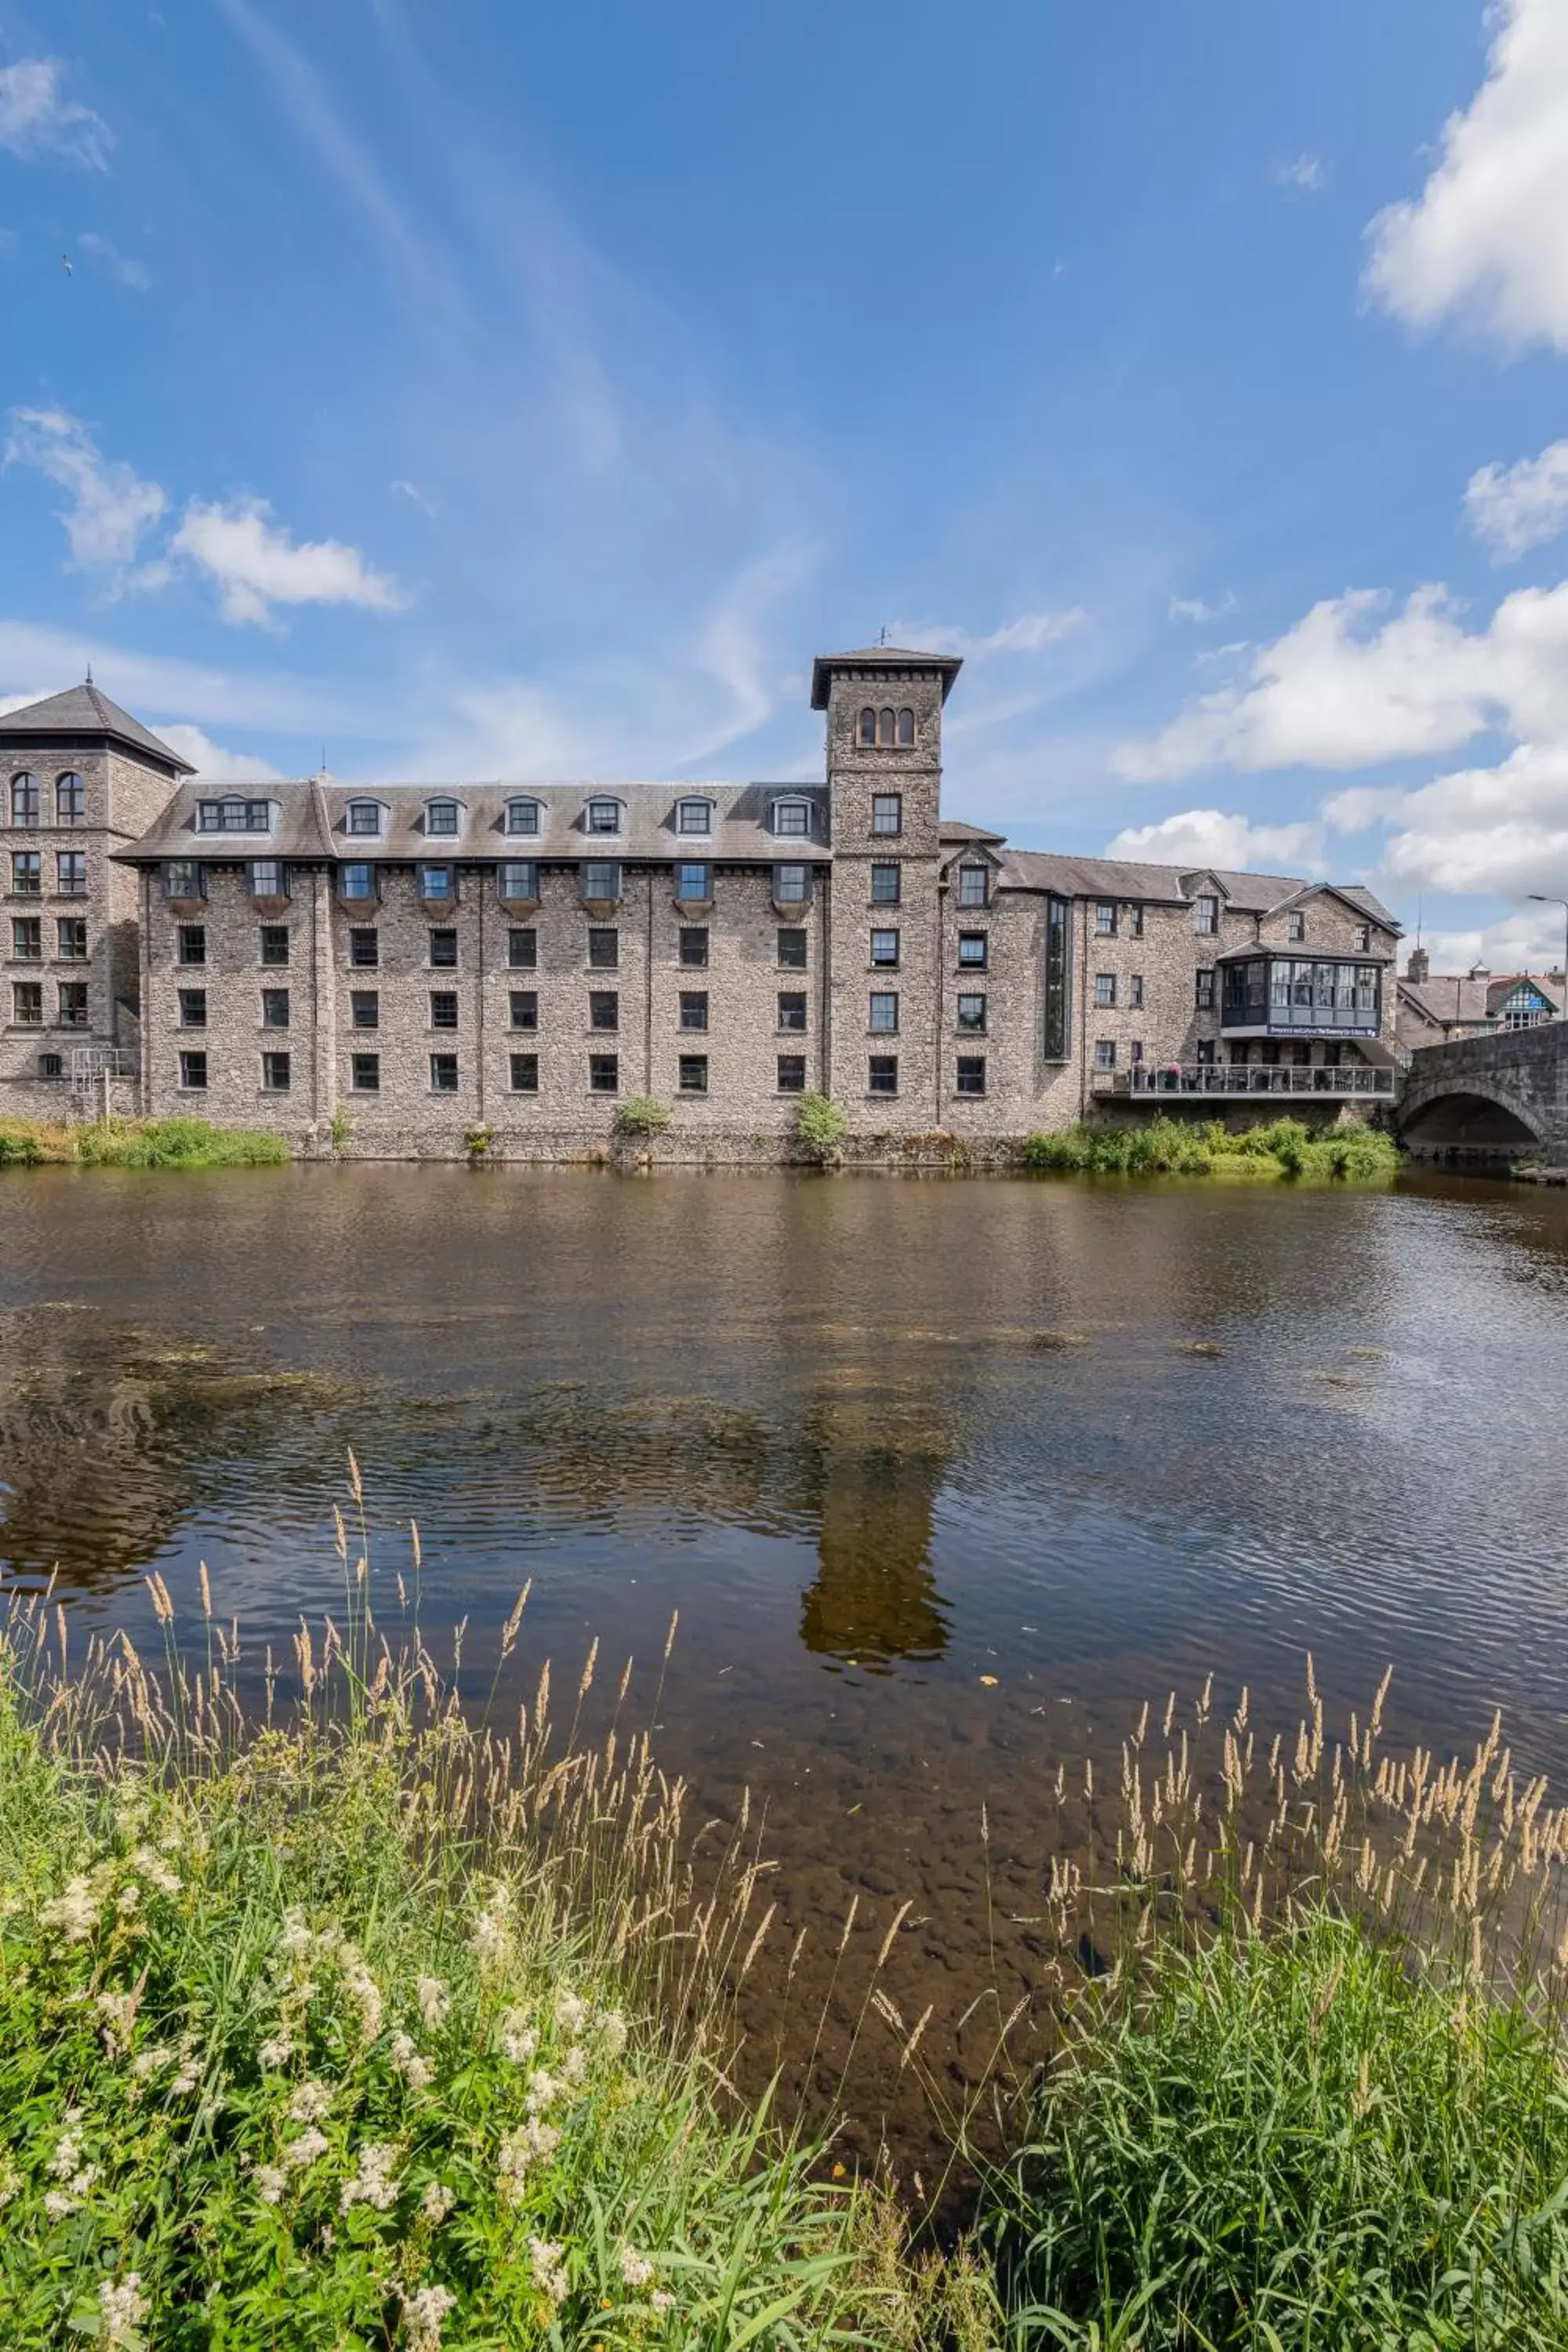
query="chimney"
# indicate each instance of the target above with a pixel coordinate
(1481, 972)
(1419, 967)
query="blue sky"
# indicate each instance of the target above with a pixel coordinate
(474, 390)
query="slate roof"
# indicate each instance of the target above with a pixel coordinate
(875, 658)
(1128, 878)
(1460, 999)
(954, 828)
(310, 822)
(86, 710)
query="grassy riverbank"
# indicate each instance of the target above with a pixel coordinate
(1348, 1153)
(136, 1143)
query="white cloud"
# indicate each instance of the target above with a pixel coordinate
(109, 258)
(257, 565)
(1194, 608)
(1513, 509)
(37, 120)
(213, 761)
(110, 505)
(1334, 693)
(35, 661)
(416, 498)
(1214, 838)
(1303, 171)
(1502, 829)
(1487, 239)
(1531, 941)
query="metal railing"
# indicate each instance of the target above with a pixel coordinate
(1244, 1079)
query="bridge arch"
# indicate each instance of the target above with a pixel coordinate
(1466, 1114)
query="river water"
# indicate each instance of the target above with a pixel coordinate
(944, 1476)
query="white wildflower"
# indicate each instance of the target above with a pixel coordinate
(298, 2153)
(363, 1989)
(375, 2182)
(67, 2158)
(296, 1940)
(311, 2102)
(118, 2011)
(156, 1870)
(124, 2306)
(423, 2314)
(575, 2067)
(61, 2201)
(636, 2269)
(128, 1898)
(56, 2204)
(519, 2040)
(571, 2012)
(152, 2060)
(189, 2075)
(662, 2301)
(74, 1913)
(490, 1935)
(543, 2090)
(10, 2181)
(611, 2028)
(437, 2202)
(415, 2070)
(434, 2002)
(531, 2145)
(277, 2050)
(549, 2269)
(270, 2183)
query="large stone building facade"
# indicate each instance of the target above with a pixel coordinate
(397, 967)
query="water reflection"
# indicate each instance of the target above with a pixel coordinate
(881, 1462)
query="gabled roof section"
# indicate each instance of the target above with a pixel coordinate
(86, 710)
(954, 828)
(1121, 878)
(873, 658)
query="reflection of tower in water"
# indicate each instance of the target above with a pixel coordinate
(880, 1464)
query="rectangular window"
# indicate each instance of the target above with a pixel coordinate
(882, 1075)
(603, 1008)
(693, 1073)
(525, 1008)
(1295, 924)
(604, 950)
(1104, 990)
(435, 882)
(365, 1073)
(884, 950)
(791, 1009)
(693, 948)
(70, 799)
(522, 951)
(603, 1073)
(365, 1008)
(886, 811)
(1105, 1053)
(693, 882)
(1105, 919)
(443, 948)
(26, 939)
(71, 936)
(792, 1073)
(182, 880)
(443, 1008)
(1135, 922)
(71, 1000)
(973, 885)
(275, 1069)
(885, 884)
(520, 878)
(524, 1074)
(694, 816)
(268, 880)
(275, 1008)
(522, 816)
(1207, 917)
(26, 873)
(791, 885)
(231, 816)
(601, 878)
(971, 1075)
(971, 951)
(791, 951)
(274, 943)
(882, 1011)
(356, 881)
(443, 1074)
(1362, 938)
(191, 943)
(194, 1072)
(1135, 992)
(792, 817)
(27, 1003)
(604, 816)
(364, 950)
(694, 1008)
(70, 867)
(1206, 1050)
(1135, 1051)
(441, 816)
(971, 1016)
(363, 817)
(1204, 998)
(192, 1004)
(51, 1066)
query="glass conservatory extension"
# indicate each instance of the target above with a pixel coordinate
(1295, 996)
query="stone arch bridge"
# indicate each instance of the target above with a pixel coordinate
(1491, 1097)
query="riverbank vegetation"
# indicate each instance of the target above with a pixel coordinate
(1169, 1146)
(358, 2020)
(136, 1143)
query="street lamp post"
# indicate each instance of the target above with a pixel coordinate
(1543, 900)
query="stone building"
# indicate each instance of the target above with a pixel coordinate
(1432, 1008)
(401, 964)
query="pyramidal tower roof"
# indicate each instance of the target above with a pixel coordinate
(871, 659)
(86, 710)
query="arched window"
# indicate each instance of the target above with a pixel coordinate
(24, 800)
(906, 728)
(441, 816)
(885, 725)
(522, 816)
(71, 798)
(867, 725)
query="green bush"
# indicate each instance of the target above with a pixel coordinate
(1205, 1147)
(19, 1148)
(642, 1114)
(177, 1143)
(820, 1124)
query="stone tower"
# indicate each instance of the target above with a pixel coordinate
(884, 706)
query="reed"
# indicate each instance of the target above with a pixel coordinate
(1347, 1153)
(136, 1143)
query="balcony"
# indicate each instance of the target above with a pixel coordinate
(1293, 996)
(1165, 1079)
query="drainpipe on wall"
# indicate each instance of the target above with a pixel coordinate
(1083, 1015)
(480, 1011)
(145, 874)
(648, 990)
(940, 986)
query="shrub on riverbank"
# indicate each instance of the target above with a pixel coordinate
(137, 1143)
(1172, 1147)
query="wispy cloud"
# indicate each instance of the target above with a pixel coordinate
(38, 119)
(1304, 173)
(36, 660)
(1513, 509)
(111, 509)
(1030, 633)
(256, 565)
(416, 496)
(108, 257)
(215, 761)
(1194, 608)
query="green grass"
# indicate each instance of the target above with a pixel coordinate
(1351, 1152)
(137, 1143)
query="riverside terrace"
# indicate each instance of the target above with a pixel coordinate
(418, 961)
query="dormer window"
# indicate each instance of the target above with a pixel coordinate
(522, 816)
(973, 885)
(604, 816)
(694, 816)
(232, 814)
(441, 816)
(1205, 915)
(1295, 923)
(793, 817)
(363, 818)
